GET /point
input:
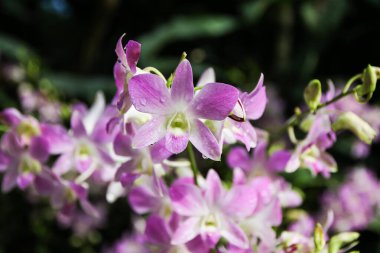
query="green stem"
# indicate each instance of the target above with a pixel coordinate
(350, 82)
(193, 162)
(296, 118)
(155, 71)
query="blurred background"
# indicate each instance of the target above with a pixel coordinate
(66, 49)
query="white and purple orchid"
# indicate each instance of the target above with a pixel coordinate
(177, 112)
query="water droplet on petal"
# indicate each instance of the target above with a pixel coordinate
(162, 100)
(204, 157)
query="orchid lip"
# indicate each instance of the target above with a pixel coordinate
(239, 118)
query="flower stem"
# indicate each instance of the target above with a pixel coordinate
(350, 82)
(155, 71)
(297, 117)
(193, 162)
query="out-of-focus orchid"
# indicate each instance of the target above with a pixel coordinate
(90, 153)
(355, 202)
(262, 165)
(26, 146)
(310, 152)
(146, 160)
(213, 213)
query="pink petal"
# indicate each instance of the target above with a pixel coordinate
(58, 138)
(150, 133)
(24, 180)
(187, 200)
(39, 148)
(143, 200)
(244, 132)
(278, 160)
(255, 102)
(214, 187)
(159, 152)
(176, 143)
(9, 179)
(183, 88)
(186, 231)
(11, 117)
(63, 164)
(239, 158)
(157, 231)
(239, 177)
(120, 51)
(133, 49)
(119, 74)
(123, 145)
(208, 76)
(11, 143)
(77, 125)
(177, 138)
(215, 101)
(203, 140)
(4, 161)
(240, 201)
(149, 94)
(234, 235)
(259, 86)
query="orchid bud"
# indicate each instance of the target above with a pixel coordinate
(319, 237)
(313, 94)
(363, 92)
(341, 240)
(369, 79)
(356, 125)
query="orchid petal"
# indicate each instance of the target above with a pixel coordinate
(24, 180)
(208, 76)
(11, 117)
(157, 231)
(5, 160)
(186, 231)
(149, 94)
(77, 125)
(234, 235)
(159, 152)
(182, 90)
(150, 133)
(203, 140)
(93, 115)
(120, 52)
(133, 49)
(58, 138)
(9, 179)
(143, 200)
(123, 145)
(119, 74)
(239, 158)
(187, 200)
(214, 187)
(177, 135)
(39, 148)
(241, 201)
(278, 160)
(215, 101)
(63, 164)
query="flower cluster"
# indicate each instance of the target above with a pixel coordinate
(131, 149)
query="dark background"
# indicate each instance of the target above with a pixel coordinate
(69, 45)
